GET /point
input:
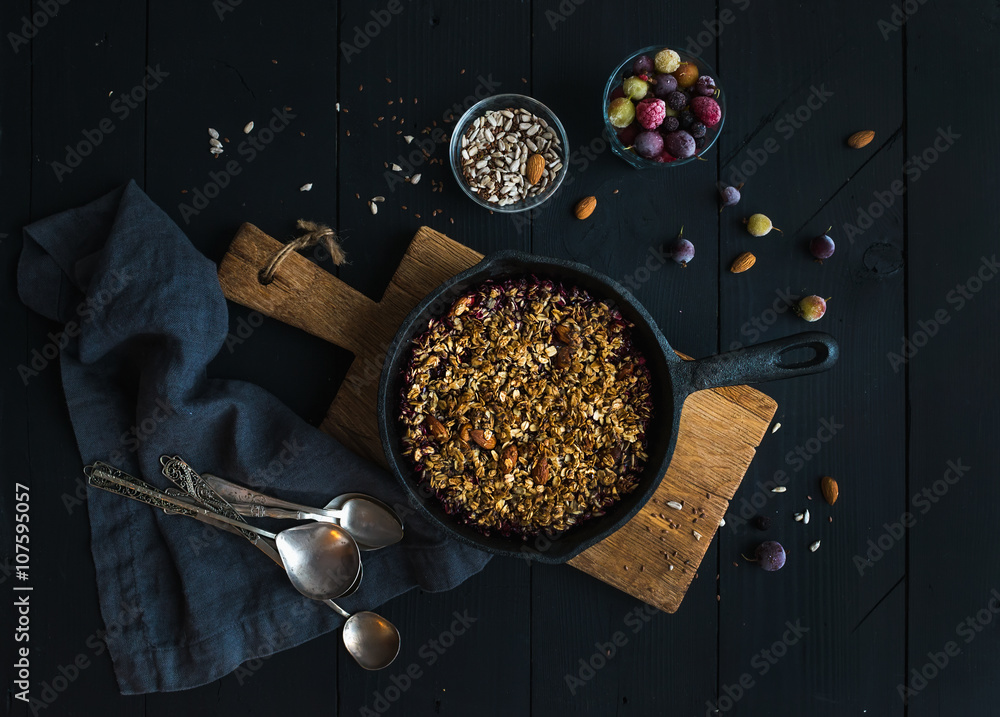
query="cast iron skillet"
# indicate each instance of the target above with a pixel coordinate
(673, 379)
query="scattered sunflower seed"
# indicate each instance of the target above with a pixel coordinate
(373, 206)
(696, 534)
(414, 179)
(805, 518)
(306, 187)
(779, 489)
(776, 427)
(396, 167)
(248, 127)
(379, 198)
(408, 138)
(338, 107)
(813, 547)
(214, 142)
(799, 517)
(722, 522)
(214, 134)
(675, 505)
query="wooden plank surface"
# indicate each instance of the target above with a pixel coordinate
(718, 433)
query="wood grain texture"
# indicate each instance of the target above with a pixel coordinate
(717, 438)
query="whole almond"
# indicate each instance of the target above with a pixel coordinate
(486, 439)
(536, 165)
(830, 490)
(436, 428)
(743, 262)
(540, 473)
(585, 207)
(508, 459)
(860, 139)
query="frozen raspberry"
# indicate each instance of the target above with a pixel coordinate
(649, 144)
(680, 144)
(650, 112)
(670, 124)
(677, 100)
(707, 110)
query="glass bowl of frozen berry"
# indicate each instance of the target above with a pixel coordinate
(663, 107)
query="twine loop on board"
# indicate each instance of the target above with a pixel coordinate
(314, 234)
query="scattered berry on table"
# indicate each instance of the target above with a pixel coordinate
(811, 308)
(758, 225)
(770, 555)
(681, 250)
(822, 247)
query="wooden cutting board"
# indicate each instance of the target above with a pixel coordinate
(719, 432)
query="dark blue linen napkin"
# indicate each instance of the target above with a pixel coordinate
(185, 604)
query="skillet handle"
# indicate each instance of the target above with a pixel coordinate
(759, 363)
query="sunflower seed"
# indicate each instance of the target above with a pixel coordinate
(379, 198)
(248, 127)
(696, 534)
(213, 133)
(396, 167)
(776, 427)
(798, 517)
(779, 489)
(214, 142)
(675, 505)
(813, 547)
(408, 138)
(373, 207)
(414, 179)
(805, 518)
(306, 187)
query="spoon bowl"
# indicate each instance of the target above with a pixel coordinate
(369, 522)
(372, 640)
(321, 559)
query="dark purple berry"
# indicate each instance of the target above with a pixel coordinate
(822, 247)
(770, 555)
(730, 196)
(686, 119)
(664, 85)
(698, 130)
(762, 522)
(649, 144)
(670, 124)
(704, 86)
(677, 100)
(681, 251)
(643, 65)
(680, 144)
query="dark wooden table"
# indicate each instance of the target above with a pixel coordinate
(879, 608)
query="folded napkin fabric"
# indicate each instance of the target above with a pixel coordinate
(144, 314)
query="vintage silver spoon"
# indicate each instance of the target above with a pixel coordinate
(370, 639)
(322, 560)
(369, 521)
